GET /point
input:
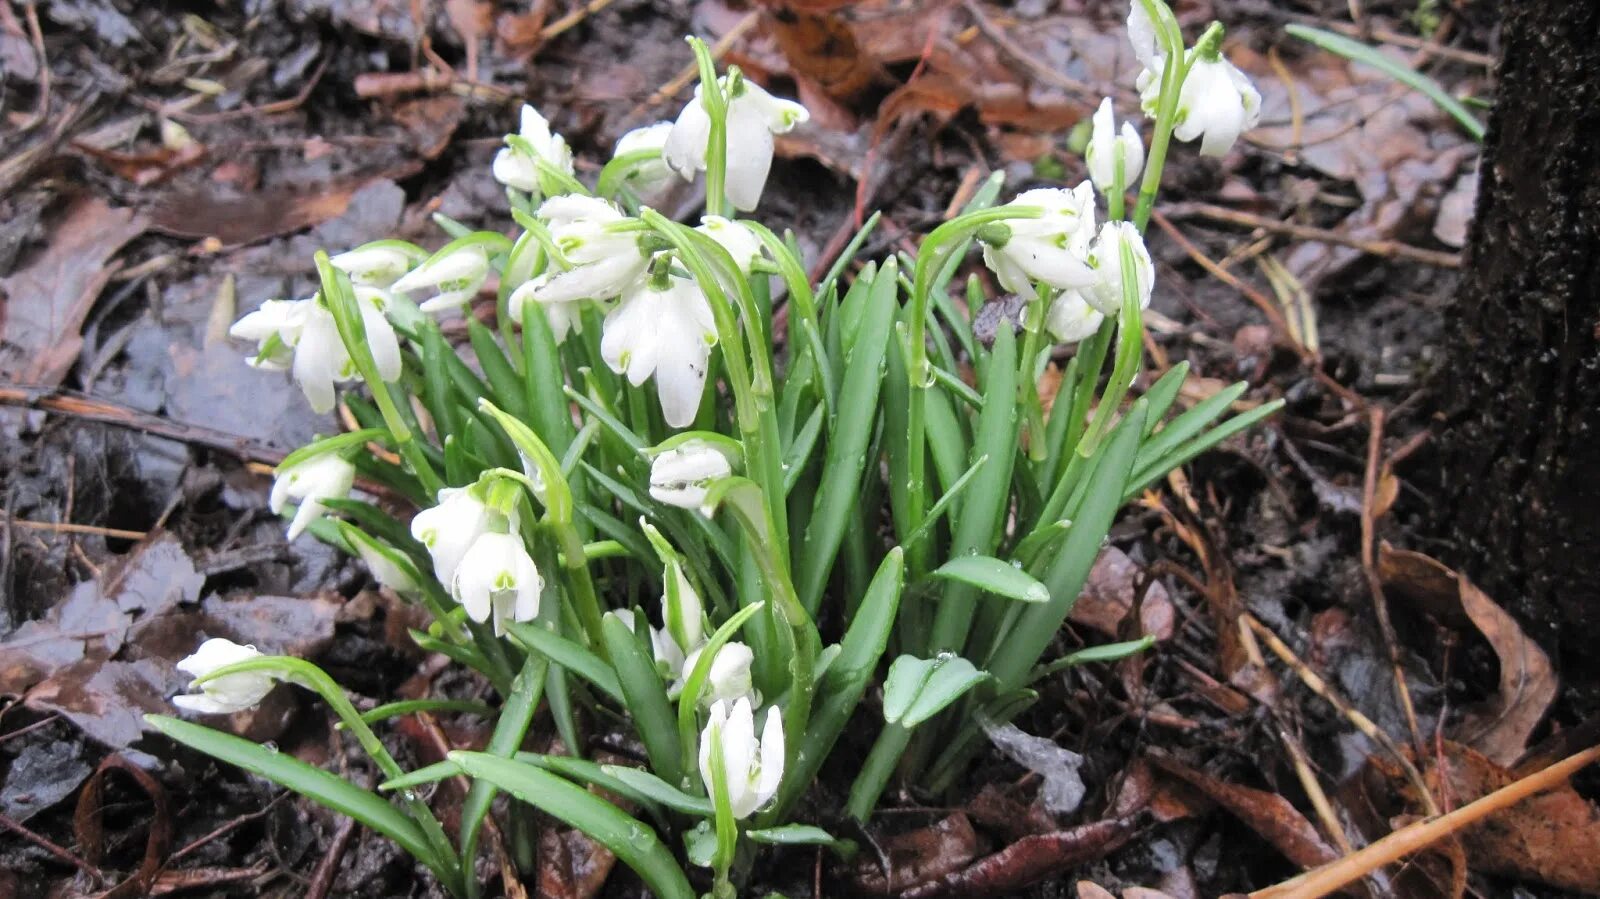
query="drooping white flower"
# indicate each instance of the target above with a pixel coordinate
(388, 567)
(605, 261)
(1105, 145)
(1105, 294)
(380, 263)
(666, 330)
(751, 769)
(741, 244)
(454, 277)
(382, 341)
(730, 674)
(497, 579)
(1071, 318)
(449, 528)
(229, 693)
(665, 650)
(650, 175)
(323, 476)
(275, 327)
(681, 475)
(754, 116)
(517, 165)
(1218, 103)
(1051, 248)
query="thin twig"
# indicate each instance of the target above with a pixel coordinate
(15, 827)
(572, 18)
(67, 527)
(1314, 791)
(1332, 877)
(328, 867)
(87, 408)
(1040, 69)
(687, 74)
(1387, 248)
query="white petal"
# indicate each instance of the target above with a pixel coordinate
(1071, 318)
(514, 169)
(381, 338)
(739, 756)
(715, 726)
(1142, 33)
(737, 239)
(772, 750)
(566, 209)
(749, 157)
(685, 149)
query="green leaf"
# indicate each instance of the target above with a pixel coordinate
(995, 576)
(503, 378)
(917, 689)
(633, 841)
(571, 656)
(1355, 51)
(1162, 393)
(315, 784)
(509, 732)
(1144, 475)
(646, 697)
(803, 835)
(655, 789)
(1110, 652)
(414, 706)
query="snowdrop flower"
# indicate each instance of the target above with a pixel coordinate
(751, 769)
(1071, 318)
(323, 476)
(741, 244)
(668, 655)
(730, 674)
(497, 578)
(681, 475)
(1105, 294)
(455, 276)
(229, 693)
(754, 116)
(380, 263)
(449, 528)
(605, 261)
(1105, 145)
(663, 328)
(275, 327)
(388, 567)
(517, 165)
(651, 174)
(685, 619)
(1218, 103)
(1051, 248)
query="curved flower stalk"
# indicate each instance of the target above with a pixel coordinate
(663, 327)
(518, 164)
(226, 694)
(753, 117)
(750, 769)
(309, 482)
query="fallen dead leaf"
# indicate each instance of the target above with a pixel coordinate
(918, 857)
(1030, 860)
(43, 304)
(213, 212)
(1108, 597)
(1268, 814)
(1500, 726)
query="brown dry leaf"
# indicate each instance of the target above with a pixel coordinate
(1552, 837)
(1087, 890)
(919, 856)
(235, 220)
(88, 826)
(149, 167)
(432, 121)
(43, 303)
(1108, 597)
(821, 48)
(1499, 727)
(1268, 814)
(571, 865)
(1031, 860)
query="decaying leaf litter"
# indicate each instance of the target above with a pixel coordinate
(164, 171)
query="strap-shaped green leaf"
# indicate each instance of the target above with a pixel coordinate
(633, 841)
(917, 689)
(803, 835)
(570, 656)
(646, 697)
(995, 576)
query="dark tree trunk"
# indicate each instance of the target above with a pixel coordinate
(1521, 442)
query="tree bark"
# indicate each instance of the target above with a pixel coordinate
(1521, 438)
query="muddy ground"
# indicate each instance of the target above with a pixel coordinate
(166, 167)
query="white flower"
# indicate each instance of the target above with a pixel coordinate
(449, 528)
(308, 342)
(605, 261)
(282, 319)
(730, 674)
(649, 175)
(385, 563)
(753, 118)
(1218, 103)
(323, 476)
(497, 578)
(668, 655)
(382, 341)
(684, 619)
(517, 165)
(751, 770)
(1071, 318)
(229, 693)
(741, 244)
(454, 276)
(1051, 248)
(667, 331)
(1105, 294)
(320, 358)
(681, 475)
(1105, 144)
(380, 263)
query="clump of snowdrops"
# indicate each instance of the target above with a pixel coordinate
(636, 503)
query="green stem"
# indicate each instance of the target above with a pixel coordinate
(876, 771)
(1172, 76)
(716, 106)
(1027, 385)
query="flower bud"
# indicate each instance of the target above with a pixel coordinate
(229, 693)
(681, 475)
(517, 165)
(308, 483)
